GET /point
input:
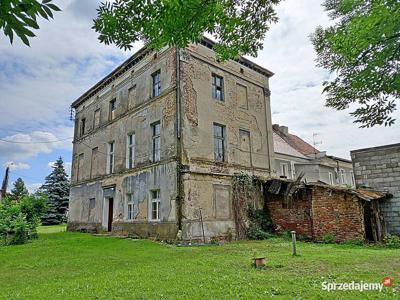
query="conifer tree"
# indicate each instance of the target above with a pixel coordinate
(19, 190)
(56, 188)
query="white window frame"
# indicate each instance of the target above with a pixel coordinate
(130, 207)
(130, 150)
(110, 157)
(157, 202)
(342, 176)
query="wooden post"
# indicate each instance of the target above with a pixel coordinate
(294, 242)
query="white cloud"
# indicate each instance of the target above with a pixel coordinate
(39, 83)
(16, 165)
(297, 84)
(23, 146)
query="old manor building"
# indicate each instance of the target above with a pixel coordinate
(158, 140)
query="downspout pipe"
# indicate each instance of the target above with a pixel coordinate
(178, 104)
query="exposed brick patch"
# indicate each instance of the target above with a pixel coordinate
(324, 211)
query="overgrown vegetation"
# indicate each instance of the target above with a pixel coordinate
(328, 239)
(19, 219)
(392, 241)
(251, 217)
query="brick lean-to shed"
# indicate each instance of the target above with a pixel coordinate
(316, 210)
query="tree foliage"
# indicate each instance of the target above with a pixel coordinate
(56, 188)
(362, 49)
(20, 17)
(238, 26)
(19, 190)
(19, 219)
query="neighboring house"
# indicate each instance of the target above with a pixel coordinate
(294, 156)
(158, 140)
(379, 168)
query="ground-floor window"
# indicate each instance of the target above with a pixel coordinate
(130, 205)
(155, 205)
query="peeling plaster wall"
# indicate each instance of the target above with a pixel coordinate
(205, 183)
(246, 106)
(136, 111)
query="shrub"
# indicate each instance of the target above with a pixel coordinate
(254, 232)
(328, 239)
(392, 241)
(19, 219)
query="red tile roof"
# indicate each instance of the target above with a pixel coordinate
(293, 140)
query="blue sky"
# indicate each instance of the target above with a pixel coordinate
(38, 83)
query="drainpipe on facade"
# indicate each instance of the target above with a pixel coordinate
(179, 184)
(267, 95)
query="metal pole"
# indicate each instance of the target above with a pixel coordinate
(202, 226)
(294, 242)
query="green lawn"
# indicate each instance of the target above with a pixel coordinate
(68, 265)
(52, 229)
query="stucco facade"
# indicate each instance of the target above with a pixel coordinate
(169, 106)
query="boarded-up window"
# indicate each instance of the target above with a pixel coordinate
(222, 201)
(92, 205)
(131, 97)
(94, 167)
(79, 172)
(245, 147)
(96, 118)
(241, 92)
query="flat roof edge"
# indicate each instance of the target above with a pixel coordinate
(376, 148)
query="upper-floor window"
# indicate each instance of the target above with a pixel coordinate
(284, 170)
(130, 151)
(156, 83)
(130, 207)
(156, 127)
(330, 178)
(96, 119)
(113, 108)
(110, 157)
(342, 176)
(353, 182)
(217, 87)
(83, 126)
(219, 142)
(155, 205)
(79, 170)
